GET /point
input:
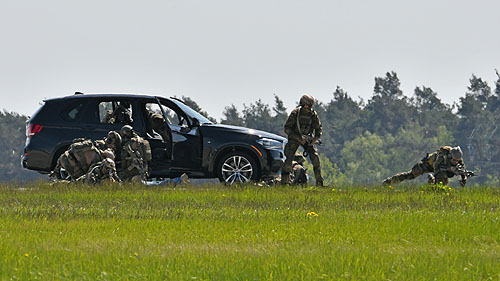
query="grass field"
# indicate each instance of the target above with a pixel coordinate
(248, 233)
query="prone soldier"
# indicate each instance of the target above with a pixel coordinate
(300, 126)
(444, 164)
(104, 170)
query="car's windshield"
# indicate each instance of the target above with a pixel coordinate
(191, 112)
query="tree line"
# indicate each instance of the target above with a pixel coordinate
(363, 141)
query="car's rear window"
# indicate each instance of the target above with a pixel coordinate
(72, 112)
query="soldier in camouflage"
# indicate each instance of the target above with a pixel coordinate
(444, 163)
(303, 129)
(135, 153)
(104, 171)
(159, 125)
(76, 160)
(299, 172)
(112, 141)
(121, 114)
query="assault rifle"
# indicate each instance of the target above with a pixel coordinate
(463, 173)
(309, 144)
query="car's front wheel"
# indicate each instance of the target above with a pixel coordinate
(237, 167)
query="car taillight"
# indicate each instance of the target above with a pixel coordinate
(33, 129)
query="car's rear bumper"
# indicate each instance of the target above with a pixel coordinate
(36, 160)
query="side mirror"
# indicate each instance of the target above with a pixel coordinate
(196, 122)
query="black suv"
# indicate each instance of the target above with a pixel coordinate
(200, 148)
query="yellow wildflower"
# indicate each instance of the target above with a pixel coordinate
(26, 255)
(312, 214)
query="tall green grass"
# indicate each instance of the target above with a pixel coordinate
(133, 232)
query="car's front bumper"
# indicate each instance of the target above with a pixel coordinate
(275, 161)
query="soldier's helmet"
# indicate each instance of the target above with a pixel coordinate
(456, 153)
(127, 132)
(107, 164)
(299, 158)
(306, 100)
(125, 104)
(108, 154)
(114, 138)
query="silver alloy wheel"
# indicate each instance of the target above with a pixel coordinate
(237, 169)
(63, 174)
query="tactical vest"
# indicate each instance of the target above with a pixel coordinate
(133, 155)
(305, 122)
(440, 160)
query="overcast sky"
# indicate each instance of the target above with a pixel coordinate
(223, 52)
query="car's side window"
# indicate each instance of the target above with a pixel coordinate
(72, 112)
(174, 117)
(104, 108)
(115, 112)
(153, 107)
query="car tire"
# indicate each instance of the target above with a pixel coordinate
(237, 167)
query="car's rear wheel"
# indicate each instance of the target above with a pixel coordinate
(237, 167)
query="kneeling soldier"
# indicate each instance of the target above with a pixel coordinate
(113, 141)
(135, 154)
(299, 172)
(77, 160)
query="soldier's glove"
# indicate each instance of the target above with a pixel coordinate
(463, 182)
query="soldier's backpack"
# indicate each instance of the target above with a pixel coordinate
(80, 149)
(80, 145)
(77, 159)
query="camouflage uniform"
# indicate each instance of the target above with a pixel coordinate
(135, 153)
(299, 172)
(301, 124)
(440, 163)
(100, 172)
(121, 115)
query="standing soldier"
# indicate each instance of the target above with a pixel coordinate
(444, 163)
(135, 153)
(300, 126)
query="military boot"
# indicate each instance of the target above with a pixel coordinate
(431, 179)
(319, 178)
(285, 178)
